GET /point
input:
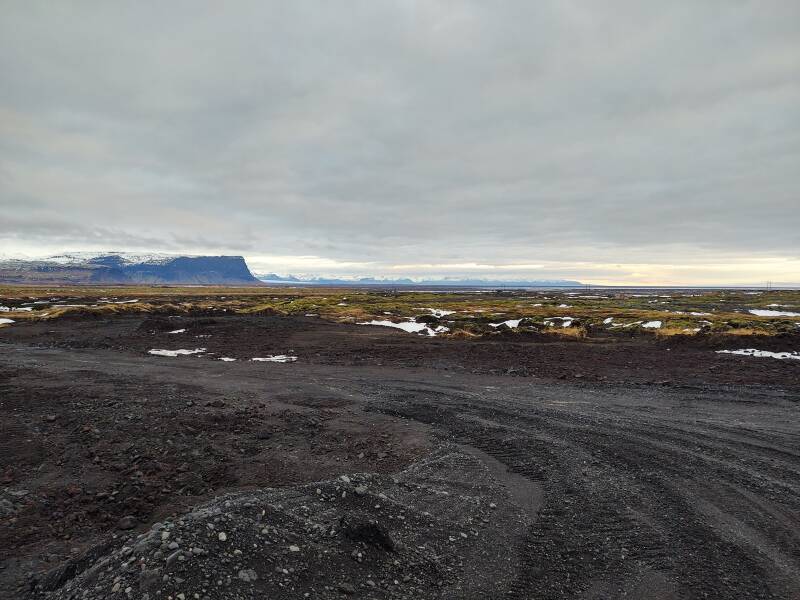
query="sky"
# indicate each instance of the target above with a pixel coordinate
(609, 142)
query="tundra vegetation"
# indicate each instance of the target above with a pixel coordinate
(568, 312)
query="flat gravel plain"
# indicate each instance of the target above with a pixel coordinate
(652, 474)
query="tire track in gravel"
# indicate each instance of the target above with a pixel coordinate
(645, 492)
(633, 496)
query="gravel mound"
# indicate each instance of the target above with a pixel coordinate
(442, 528)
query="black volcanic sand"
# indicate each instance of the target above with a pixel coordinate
(514, 466)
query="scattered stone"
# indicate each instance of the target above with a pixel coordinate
(372, 533)
(347, 588)
(128, 522)
(149, 579)
(351, 554)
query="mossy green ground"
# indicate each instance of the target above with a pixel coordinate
(718, 311)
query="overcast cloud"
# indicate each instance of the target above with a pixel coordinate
(651, 142)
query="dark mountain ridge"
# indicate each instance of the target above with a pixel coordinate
(405, 281)
(123, 268)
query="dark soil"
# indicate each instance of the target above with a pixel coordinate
(640, 359)
(651, 468)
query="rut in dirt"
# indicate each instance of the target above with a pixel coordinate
(644, 493)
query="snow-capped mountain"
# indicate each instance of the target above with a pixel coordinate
(127, 268)
(126, 258)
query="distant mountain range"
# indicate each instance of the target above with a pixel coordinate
(446, 282)
(127, 268)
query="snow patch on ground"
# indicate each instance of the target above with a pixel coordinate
(565, 321)
(652, 325)
(438, 312)
(630, 324)
(759, 312)
(762, 353)
(6, 321)
(278, 358)
(511, 323)
(608, 320)
(176, 352)
(177, 331)
(409, 326)
(226, 359)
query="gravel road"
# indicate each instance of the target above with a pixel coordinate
(687, 490)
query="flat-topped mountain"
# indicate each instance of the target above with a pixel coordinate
(128, 268)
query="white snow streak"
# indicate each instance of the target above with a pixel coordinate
(763, 353)
(176, 352)
(511, 323)
(773, 313)
(278, 358)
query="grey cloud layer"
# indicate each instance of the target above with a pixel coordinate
(405, 131)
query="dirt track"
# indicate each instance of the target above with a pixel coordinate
(649, 477)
